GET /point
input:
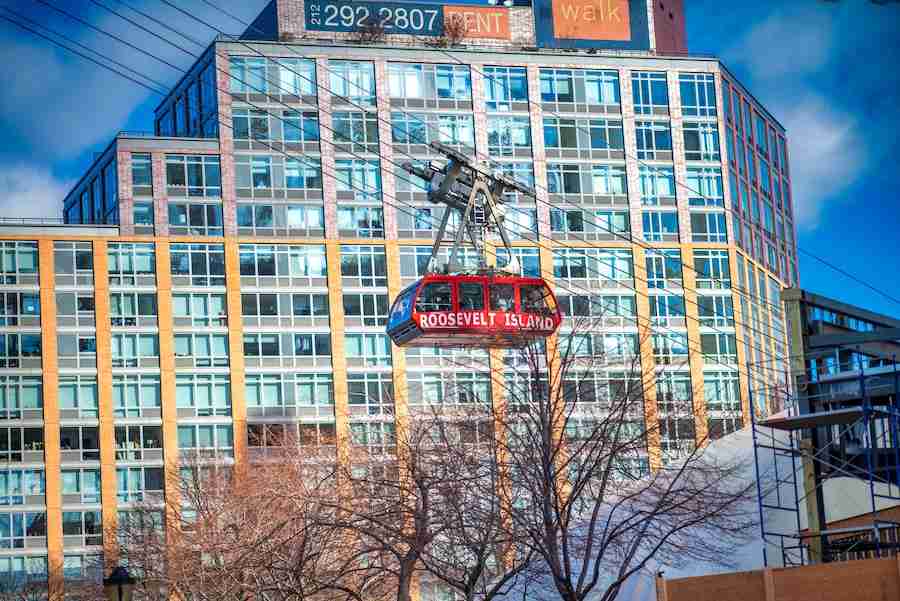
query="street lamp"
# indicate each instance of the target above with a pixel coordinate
(119, 585)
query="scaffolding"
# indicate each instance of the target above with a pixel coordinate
(835, 446)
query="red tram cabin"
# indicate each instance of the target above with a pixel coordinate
(473, 311)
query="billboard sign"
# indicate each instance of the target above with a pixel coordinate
(592, 24)
(407, 18)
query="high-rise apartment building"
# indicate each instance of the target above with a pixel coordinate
(224, 282)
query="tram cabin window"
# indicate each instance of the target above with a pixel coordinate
(435, 297)
(533, 300)
(503, 297)
(471, 297)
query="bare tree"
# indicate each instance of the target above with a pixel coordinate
(434, 509)
(588, 509)
(239, 533)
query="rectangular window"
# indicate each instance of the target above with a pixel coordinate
(199, 309)
(676, 415)
(705, 187)
(22, 444)
(18, 262)
(14, 348)
(203, 395)
(609, 180)
(712, 268)
(698, 94)
(590, 87)
(78, 398)
(134, 483)
(670, 348)
(297, 76)
(456, 130)
(250, 124)
(650, 93)
(201, 350)
(361, 222)
(657, 185)
(654, 140)
(453, 82)
(300, 126)
(560, 133)
(355, 127)
(143, 214)
(283, 260)
(363, 265)
(20, 309)
(715, 311)
(21, 397)
(198, 264)
(606, 134)
(206, 441)
(193, 175)
(563, 178)
(665, 308)
(82, 484)
(142, 173)
(248, 75)
(411, 128)
(132, 309)
(305, 174)
(352, 81)
(359, 179)
(407, 80)
(368, 350)
(17, 484)
(660, 226)
(663, 268)
(136, 395)
(505, 86)
(197, 219)
(701, 142)
(508, 136)
(721, 391)
(135, 350)
(131, 264)
(708, 227)
(80, 443)
(718, 348)
(371, 393)
(366, 309)
(603, 266)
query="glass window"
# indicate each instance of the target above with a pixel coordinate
(503, 86)
(698, 94)
(650, 93)
(701, 142)
(141, 170)
(193, 175)
(653, 138)
(353, 80)
(660, 225)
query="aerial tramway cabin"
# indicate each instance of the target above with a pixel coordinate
(493, 310)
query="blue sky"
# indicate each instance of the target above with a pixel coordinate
(827, 70)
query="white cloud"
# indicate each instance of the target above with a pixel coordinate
(828, 153)
(791, 58)
(787, 44)
(32, 192)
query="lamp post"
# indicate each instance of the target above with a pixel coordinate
(119, 585)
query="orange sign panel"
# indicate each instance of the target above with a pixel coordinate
(480, 21)
(591, 20)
